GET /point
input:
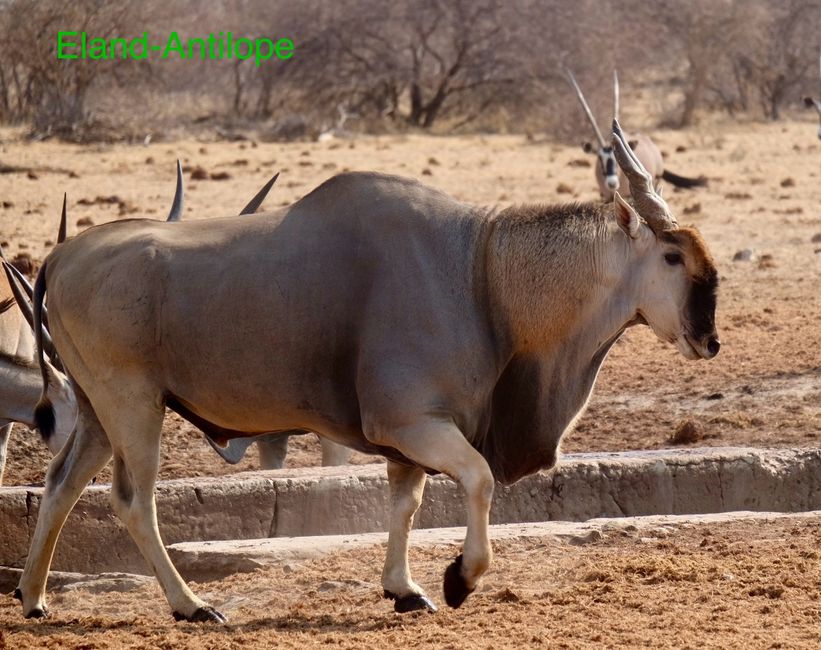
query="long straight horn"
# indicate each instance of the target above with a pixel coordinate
(254, 203)
(651, 207)
(19, 296)
(26, 309)
(615, 94)
(23, 280)
(176, 206)
(61, 232)
(586, 108)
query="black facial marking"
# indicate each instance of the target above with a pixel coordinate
(701, 305)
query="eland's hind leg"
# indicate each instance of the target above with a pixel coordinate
(407, 484)
(135, 432)
(85, 453)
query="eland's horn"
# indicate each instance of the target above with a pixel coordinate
(176, 207)
(25, 308)
(650, 206)
(615, 94)
(61, 232)
(586, 108)
(253, 204)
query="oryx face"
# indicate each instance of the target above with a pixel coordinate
(608, 168)
(678, 291)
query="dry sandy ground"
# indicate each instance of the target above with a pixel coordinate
(764, 194)
(727, 585)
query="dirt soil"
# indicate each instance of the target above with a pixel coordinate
(763, 389)
(723, 585)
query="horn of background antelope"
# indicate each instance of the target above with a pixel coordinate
(615, 94)
(574, 84)
(651, 207)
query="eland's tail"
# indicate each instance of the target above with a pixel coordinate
(44, 411)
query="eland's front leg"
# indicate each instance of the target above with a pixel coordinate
(407, 485)
(441, 446)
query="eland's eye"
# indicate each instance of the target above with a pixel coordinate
(673, 258)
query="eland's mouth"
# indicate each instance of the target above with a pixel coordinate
(688, 349)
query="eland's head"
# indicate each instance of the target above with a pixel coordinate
(676, 278)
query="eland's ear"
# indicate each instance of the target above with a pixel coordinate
(626, 216)
(588, 147)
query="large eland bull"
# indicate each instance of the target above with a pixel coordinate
(378, 312)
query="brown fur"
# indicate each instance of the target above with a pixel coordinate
(699, 261)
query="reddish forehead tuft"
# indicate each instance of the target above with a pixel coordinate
(699, 260)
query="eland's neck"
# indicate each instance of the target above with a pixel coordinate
(558, 279)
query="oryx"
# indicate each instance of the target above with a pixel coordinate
(375, 311)
(810, 102)
(608, 176)
(21, 381)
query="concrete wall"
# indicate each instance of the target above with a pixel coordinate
(341, 500)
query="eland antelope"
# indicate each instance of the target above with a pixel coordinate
(609, 176)
(810, 102)
(375, 311)
(20, 378)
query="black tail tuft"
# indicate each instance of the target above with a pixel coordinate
(44, 418)
(683, 181)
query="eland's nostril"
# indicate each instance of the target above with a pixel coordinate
(713, 346)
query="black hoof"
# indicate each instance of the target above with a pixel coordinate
(202, 615)
(410, 603)
(18, 594)
(455, 587)
(37, 613)
(413, 603)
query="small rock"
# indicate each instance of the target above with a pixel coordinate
(507, 596)
(427, 172)
(433, 162)
(788, 182)
(579, 162)
(681, 148)
(587, 538)
(85, 221)
(32, 175)
(198, 174)
(24, 263)
(687, 432)
(714, 396)
(564, 188)
(744, 255)
(816, 238)
(220, 176)
(692, 209)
